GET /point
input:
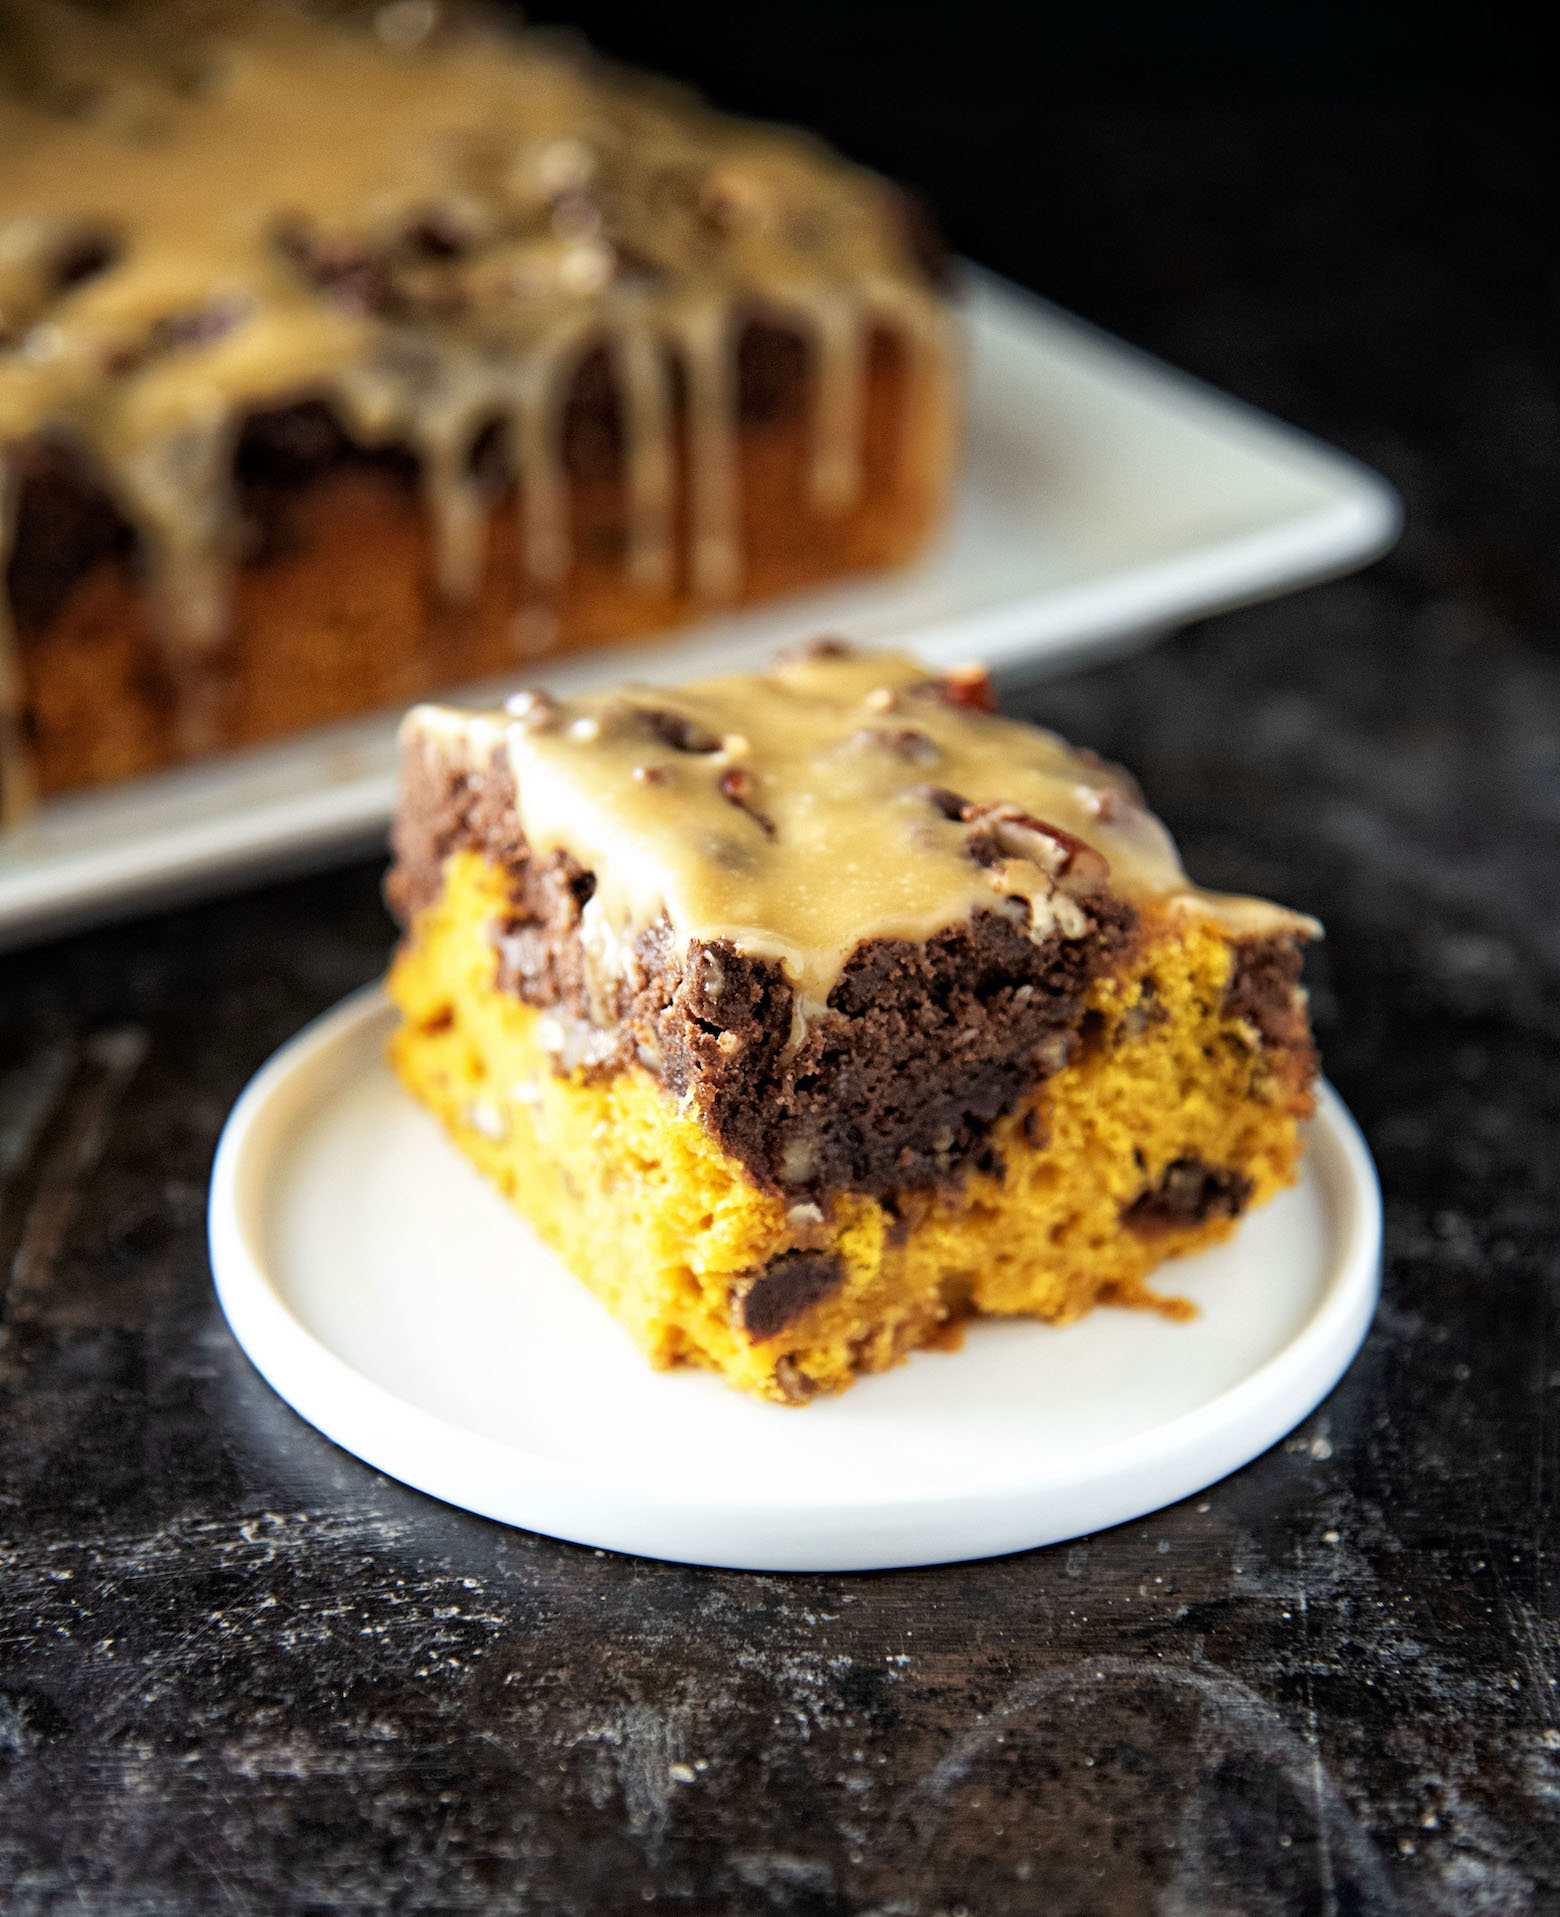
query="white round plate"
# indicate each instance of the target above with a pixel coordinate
(396, 1301)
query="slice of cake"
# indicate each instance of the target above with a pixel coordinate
(346, 359)
(807, 1013)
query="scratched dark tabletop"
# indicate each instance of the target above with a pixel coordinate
(240, 1671)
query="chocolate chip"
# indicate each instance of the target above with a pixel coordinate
(1188, 1194)
(776, 1295)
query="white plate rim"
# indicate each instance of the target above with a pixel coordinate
(636, 1514)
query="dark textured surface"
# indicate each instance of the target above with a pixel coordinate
(240, 1672)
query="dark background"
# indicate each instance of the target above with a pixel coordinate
(241, 1672)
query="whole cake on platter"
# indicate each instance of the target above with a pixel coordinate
(346, 358)
(809, 1013)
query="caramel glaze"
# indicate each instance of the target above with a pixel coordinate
(430, 229)
(840, 797)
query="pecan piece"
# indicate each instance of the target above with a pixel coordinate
(967, 687)
(1004, 832)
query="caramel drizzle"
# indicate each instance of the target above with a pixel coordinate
(835, 476)
(544, 490)
(707, 351)
(647, 438)
(736, 221)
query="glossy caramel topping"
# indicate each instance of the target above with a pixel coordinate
(836, 798)
(430, 230)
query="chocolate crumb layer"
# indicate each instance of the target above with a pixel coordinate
(1265, 991)
(922, 1049)
(1264, 988)
(446, 809)
(769, 1300)
(1189, 1193)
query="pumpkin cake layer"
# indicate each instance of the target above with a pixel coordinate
(343, 358)
(808, 1013)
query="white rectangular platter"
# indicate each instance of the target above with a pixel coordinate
(1105, 498)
